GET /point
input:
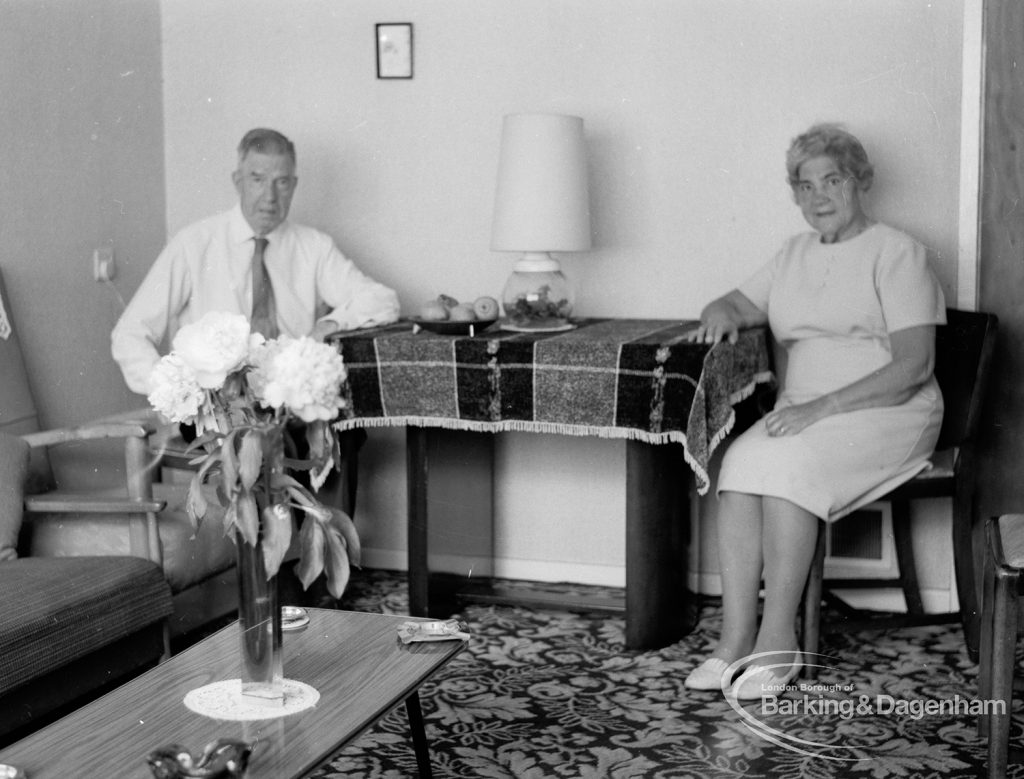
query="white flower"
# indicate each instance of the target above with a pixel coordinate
(301, 374)
(176, 393)
(213, 347)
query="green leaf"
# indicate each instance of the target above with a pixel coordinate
(248, 518)
(196, 504)
(208, 462)
(302, 496)
(281, 481)
(277, 536)
(344, 524)
(203, 442)
(229, 465)
(230, 519)
(250, 458)
(311, 554)
(338, 569)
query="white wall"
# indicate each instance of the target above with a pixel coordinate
(82, 168)
(688, 106)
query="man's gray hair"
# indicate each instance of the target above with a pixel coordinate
(265, 141)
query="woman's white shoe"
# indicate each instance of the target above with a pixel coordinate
(758, 681)
(708, 675)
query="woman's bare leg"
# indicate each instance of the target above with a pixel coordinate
(740, 556)
(789, 534)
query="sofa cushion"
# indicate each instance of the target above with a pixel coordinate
(13, 470)
(59, 609)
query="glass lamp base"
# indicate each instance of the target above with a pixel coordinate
(537, 299)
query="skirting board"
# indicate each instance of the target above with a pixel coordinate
(509, 568)
(504, 568)
(936, 601)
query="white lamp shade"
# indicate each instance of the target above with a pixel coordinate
(541, 202)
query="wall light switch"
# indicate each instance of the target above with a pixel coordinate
(103, 264)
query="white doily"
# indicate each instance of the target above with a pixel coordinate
(224, 700)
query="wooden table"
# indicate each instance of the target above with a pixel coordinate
(354, 660)
(632, 379)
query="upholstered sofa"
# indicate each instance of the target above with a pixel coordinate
(69, 626)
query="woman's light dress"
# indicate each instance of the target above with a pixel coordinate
(831, 307)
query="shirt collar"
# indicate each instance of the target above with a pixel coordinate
(240, 231)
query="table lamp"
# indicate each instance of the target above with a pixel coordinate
(540, 206)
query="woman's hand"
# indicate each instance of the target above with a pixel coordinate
(913, 358)
(790, 420)
(714, 328)
(722, 319)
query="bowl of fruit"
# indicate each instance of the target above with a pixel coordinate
(446, 315)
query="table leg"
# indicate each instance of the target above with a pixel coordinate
(419, 735)
(659, 607)
(450, 478)
(416, 483)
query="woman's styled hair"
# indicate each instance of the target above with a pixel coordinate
(265, 141)
(830, 140)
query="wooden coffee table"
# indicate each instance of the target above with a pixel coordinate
(354, 660)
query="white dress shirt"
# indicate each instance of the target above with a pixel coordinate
(208, 267)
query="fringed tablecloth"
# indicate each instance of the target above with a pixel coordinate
(610, 378)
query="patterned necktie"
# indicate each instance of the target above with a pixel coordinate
(264, 312)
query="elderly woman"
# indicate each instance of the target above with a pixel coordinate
(853, 306)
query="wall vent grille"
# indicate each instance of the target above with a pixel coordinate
(861, 544)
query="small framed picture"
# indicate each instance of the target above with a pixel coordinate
(394, 50)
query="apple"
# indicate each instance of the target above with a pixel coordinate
(486, 307)
(447, 301)
(433, 311)
(463, 312)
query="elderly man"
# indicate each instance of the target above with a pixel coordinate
(288, 278)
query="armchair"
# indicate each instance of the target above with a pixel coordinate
(70, 626)
(144, 519)
(140, 519)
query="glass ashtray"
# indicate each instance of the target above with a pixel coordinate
(293, 618)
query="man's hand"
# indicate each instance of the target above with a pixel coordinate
(324, 328)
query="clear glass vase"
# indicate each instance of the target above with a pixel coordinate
(259, 620)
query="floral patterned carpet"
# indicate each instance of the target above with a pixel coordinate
(555, 694)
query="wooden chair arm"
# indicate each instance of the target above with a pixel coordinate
(138, 508)
(144, 416)
(90, 432)
(138, 513)
(61, 503)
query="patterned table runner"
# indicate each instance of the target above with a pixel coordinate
(611, 378)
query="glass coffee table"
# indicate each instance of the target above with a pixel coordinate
(354, 660)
